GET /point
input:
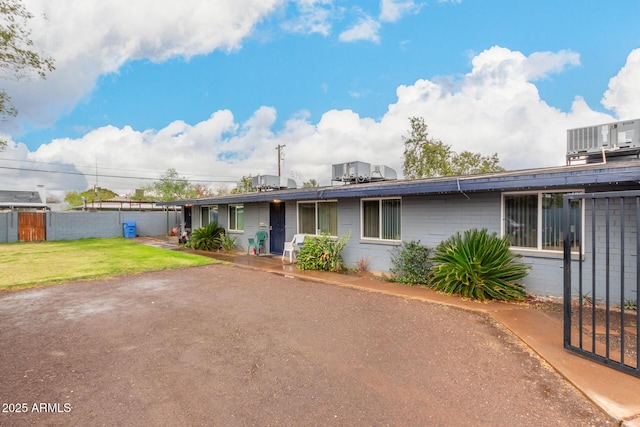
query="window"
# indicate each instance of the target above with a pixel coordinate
(236, 217)
(318, 218)
(534, 220)
(381, 219)
(208, 214)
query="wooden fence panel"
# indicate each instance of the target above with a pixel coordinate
(31, 227)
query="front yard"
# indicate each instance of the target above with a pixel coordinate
(32, 264)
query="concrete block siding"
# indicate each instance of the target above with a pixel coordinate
(8, 227)
(78, 225)
(431, 219)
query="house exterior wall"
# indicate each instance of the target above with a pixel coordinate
(432, 219)
(256, 217)
(622, 239)
(195, 217)
(290, 220)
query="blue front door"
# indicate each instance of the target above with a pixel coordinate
(276, 226)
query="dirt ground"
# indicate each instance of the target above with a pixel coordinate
(618, 326)
(221, 345)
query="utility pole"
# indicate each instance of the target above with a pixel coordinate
(279, 148)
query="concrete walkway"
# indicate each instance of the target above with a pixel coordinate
(614, 392)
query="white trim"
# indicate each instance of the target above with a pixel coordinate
(538, 193)
(378, 239)
(235, 205)
(315, 220)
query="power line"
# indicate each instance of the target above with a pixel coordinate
(113, 169)
(109, 176)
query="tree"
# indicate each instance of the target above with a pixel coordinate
(16, 54)
(74, 199)
(171, 186)
(221, 190)
(310, 184)
(467, 163)
(245, 185)
(203, 191)
(426, 157)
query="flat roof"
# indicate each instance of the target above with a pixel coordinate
(572, 176)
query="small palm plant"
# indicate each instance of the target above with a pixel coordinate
(478, 265)
(228, 243)
(208, 238)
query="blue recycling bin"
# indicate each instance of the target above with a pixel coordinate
(129, 229)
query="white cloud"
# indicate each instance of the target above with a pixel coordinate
(92, 38)
(494, 108)
(314, 16)
(366, 29)
(394, 10)
(623, 95)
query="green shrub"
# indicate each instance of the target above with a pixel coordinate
(411, 263)
(207, 238)
(228, 243)
(478, 265)
(322, 253)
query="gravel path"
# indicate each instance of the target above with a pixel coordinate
(226, 346)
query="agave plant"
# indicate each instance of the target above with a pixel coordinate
(208, 238)
(478, 265)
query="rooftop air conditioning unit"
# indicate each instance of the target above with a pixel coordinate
(624, 135)
(382, 173)
(287, 183)
(351, 172)
(271, 182)
(265, 182)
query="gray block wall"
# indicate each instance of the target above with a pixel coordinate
(8, 227)
(256, 217)
(620, 271)
(79, 225)
(434, 219)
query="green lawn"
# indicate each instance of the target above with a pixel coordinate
(30, 264)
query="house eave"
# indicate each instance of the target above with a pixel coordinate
(578, 176)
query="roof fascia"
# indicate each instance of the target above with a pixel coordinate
(508, 181)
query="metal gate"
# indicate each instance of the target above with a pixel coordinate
(31, 227)
(601, 281)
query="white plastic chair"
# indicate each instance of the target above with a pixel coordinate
(293, 246)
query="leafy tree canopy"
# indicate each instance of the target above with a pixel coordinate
(74, 198)
(311, 183)
(17, 58)
(172, 186)
(245, 185)
(426, 157)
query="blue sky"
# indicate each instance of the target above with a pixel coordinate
(142, 90)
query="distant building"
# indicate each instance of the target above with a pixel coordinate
(120, 204)
(14, 200)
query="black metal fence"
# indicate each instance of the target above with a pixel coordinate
(601, 281)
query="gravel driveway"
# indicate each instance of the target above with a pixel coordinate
(221, 345)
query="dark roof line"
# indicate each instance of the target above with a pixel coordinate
(562, 176)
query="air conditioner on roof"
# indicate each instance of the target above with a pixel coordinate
(382, 173)
(351, 172)
(271, 182)
(623, 135)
